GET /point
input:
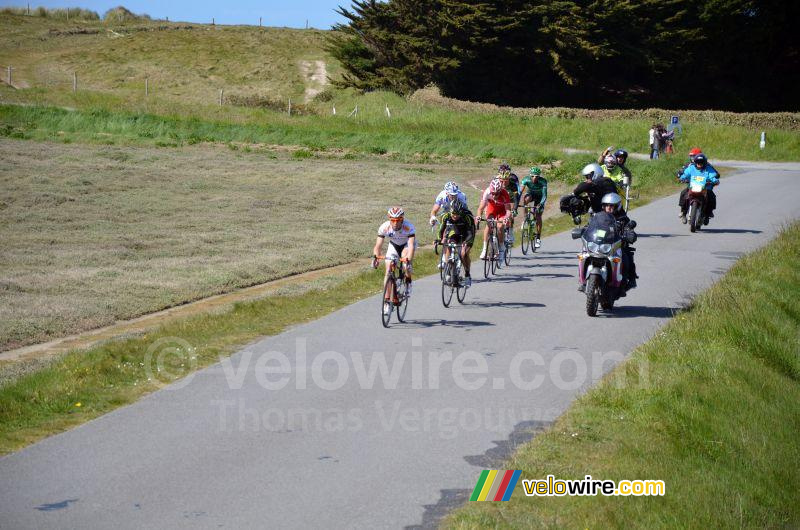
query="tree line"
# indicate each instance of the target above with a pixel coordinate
(722, 54)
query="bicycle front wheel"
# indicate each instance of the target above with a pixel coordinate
(525, 238)
(493, 250)
(386, 302)
(461, 287)
(447, 285)
(402, 296)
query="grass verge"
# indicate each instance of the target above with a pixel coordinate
(716, 418)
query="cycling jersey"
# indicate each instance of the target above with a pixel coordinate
(461, 231)
(397, 237)
(443, 200)
(537, 190)
(513, 189)
(496, 206)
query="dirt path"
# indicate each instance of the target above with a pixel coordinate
(138, 325)
(316, 76)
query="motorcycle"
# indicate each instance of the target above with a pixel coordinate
(600, 261)
(696, 197)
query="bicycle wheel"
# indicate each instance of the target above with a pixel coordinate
(525, 237)
(461, 287)
(402, 297)
(487, 261)
(386, 302)
(493, 250)
(447, 285)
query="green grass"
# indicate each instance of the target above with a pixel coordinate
(716, 418)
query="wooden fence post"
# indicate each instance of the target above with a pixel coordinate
(74, 81)
(290, 106)
(9, 75)
(221, 92)
(146, 87)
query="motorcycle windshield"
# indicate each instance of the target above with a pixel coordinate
(602, 229)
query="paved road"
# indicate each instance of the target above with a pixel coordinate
(223, 452)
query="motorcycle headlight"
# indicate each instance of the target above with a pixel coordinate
(593, 247)
(605, 249)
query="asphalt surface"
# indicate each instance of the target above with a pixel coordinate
(332, 449)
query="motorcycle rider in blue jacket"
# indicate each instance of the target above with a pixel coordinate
(701, 170)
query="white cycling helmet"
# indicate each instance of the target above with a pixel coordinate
(451, 188)
(592, 170)
(611, 198)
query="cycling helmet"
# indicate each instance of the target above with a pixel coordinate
(395, 212)
(451, 188)
(694, 152)
(593, 171)
(458, 208)
(495, 186)
(700, 160)
(611, 198)
(504, 168)
(621, 153)
(536, 172)
(610, 161)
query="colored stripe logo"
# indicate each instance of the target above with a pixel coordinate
(494, 485)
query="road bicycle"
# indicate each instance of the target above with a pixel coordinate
(453, 279)
(490, 259)
(436, 245)
(528, 232)
(395, 291)
(508, 234)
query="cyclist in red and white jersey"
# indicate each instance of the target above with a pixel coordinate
(496, 202)
(402, 241)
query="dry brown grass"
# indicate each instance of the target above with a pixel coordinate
(92, 234)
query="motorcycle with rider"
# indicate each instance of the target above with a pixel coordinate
(606, 269)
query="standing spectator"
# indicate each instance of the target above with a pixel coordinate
(653, 147)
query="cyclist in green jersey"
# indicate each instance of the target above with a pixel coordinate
(534, 189)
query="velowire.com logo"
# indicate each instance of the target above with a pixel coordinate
(494, 485)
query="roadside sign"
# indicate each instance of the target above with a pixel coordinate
(675, 125)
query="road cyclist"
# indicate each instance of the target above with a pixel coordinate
(458, 227)
(495, 204)
(534, 190)
(400, 249)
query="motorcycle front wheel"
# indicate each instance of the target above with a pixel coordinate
(592, 295)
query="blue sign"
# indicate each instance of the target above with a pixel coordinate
(674, 120)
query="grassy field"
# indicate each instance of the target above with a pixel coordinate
(186, 63)
(96, 233)
(717, 419)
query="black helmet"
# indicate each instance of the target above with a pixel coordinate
(459, 208)
(621, 153)
(700, 160)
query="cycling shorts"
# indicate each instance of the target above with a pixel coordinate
(495, 210)
(535, 198)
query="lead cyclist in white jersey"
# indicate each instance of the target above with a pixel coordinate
(444, 201)
(402, 242)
